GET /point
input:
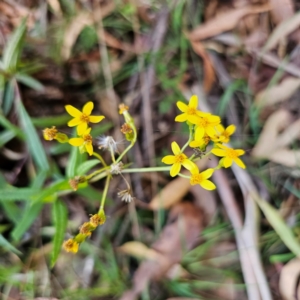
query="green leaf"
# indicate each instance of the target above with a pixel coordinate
(51, 121)
(34, 143)
(284, 232)
(8, 246)
(30, 214)
(90, 193)
(6, 124)
(60, 220)
(86, 166)
(11, 193)
(12, 211)
(8, 97)
(6, 136)
(12, 51)
(29, 81)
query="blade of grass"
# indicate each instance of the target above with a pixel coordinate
(8, 246)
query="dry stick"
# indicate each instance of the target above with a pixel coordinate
(147, 81)
(253, 271)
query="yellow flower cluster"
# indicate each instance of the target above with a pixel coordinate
(204, 128)
(85, 230)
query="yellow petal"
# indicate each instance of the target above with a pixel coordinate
(194, 171)
(240, 152)
(181, 118)
(175, 148)
(89, 148)
(195, 144)
(81, 128)
(208, 185)
(189, 165)
(193, 101)
(168, 160)
(76, 141)
(207, 173)
(210, 131)
(220, 128)
(218, 152)
(194, 119)
(74, 122)
(182, 106)
(88, 107)
(227, 162)
(96, 119)
(230, 129)
(214, 120)
(87, 131)
(240, 163)
(74, 112)
(175, 169)
(199, 133)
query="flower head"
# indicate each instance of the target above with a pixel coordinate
(205, 125)
(202, 143)
(50, 133)
(201, 178)
(86, 228)
(189, 111)
(81, 119)
(177, 160)
(223, 135)
(74, 182)
(116, 168)
(126, 195)
(229, 155)
(98, 219)
(71, 246)
(107, 142)
(122, 108)
(85, 140)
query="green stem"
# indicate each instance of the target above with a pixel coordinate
(130, 146)
(104, 193)
(184, 176)
(190, 138)
(88, 177)
(100, 158)
(140, 170)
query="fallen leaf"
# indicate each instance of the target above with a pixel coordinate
(267, 139)
(139, 250)
(282, 30)
(225, 21)
(278, 93)
(289, 280)
(176, 238)
(209, 73)
(286, 157)
(173, 192)
(281, 10)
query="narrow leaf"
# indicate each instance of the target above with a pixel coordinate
(34, 143)
(284, 232)
(86, 166)
(12, 51)
(8, 246)
(60, 220)
(6, 136)
(8, 97)
(29, 216)
(29, 81)
(10, 193)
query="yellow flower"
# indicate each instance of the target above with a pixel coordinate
(202, 143)
(177, 160)
(98, 219)
(229, 155)
(82, 119)
(71, 246)
(50, 133)
(122, 108)
(205, 125)
(85, 140)
(201, 178)
(223, 135)
(189, 111)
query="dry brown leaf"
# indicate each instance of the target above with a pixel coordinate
(288, 282)
(209, 73)
(174, 191)
(282, 10)
(282, 30)
(278, 93)
(225, 21)
(55, 5)
(139, 250)
(267, 140)
(286, 157)
(78, 23)
(177, 237)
